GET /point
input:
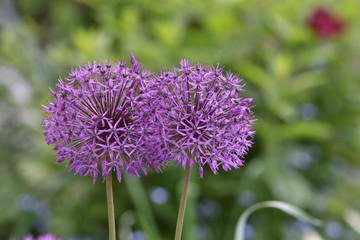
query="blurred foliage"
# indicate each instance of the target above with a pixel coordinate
(305, 88)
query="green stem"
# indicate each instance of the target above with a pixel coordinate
(110, 204)
(180, 219)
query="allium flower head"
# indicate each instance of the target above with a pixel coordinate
(97, 123)
(203, 117)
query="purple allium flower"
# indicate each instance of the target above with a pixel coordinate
(42, 237)
(96, 120)
(203, 117)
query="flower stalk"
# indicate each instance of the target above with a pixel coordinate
(110, 204)
(180, 219)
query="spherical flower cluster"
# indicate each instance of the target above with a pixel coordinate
(202, 116)
(325, 24)
(97, 122)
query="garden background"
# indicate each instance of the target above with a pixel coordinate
(305, 86)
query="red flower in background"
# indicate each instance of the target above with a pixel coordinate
(325, 24)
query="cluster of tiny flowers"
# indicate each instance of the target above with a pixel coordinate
(42, 237)
(202, 117)
(107, 117)
(96, 121)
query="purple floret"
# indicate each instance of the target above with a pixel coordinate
(41, 237)
(202, 116)
(96, 120)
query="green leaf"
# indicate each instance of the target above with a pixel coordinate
(288, 208)
(142, 206)
(23, 224)
(256, 74)
(282, 67)
(306, 129)
(352, 218)
(304, 82)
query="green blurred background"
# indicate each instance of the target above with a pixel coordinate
(305, 87)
